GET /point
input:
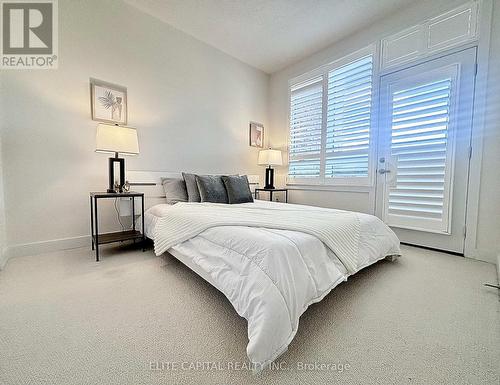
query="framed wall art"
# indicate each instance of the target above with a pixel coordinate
(108, 102)
(256, 134)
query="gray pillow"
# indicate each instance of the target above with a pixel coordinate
(191, 187)
(175, 190)
(238, 189)
(211, 188)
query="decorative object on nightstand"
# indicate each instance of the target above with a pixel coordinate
(118, 140)
(271, 191)
(119, 236)
(270, 158)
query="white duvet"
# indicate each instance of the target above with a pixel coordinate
(271, 276)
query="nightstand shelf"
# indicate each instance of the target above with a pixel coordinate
(271, 191)
(117, 236)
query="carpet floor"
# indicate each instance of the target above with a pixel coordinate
(134, 318)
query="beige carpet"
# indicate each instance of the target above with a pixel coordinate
(65, 319)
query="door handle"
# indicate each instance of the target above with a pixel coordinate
(383, 171)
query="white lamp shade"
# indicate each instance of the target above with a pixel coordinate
(111, 138)
(270, 157)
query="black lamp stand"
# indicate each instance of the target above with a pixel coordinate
(121, 162)
(269, 178)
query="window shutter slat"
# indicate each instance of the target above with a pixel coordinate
(304, 168)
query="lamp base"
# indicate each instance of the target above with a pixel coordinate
(269, 179)
(111, 175)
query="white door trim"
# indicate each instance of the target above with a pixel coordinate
(478, 124)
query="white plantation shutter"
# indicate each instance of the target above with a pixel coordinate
(330, 121)
(306, 103)
(419, 143)
(349, 120)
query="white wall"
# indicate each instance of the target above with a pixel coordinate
(190, 102)
(3, 256)
(488, 242)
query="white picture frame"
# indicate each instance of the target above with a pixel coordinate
(108, 102)
(256, 135)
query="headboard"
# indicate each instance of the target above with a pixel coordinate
(149, 182)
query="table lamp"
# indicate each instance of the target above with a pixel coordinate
(270, 158)
(118, 140)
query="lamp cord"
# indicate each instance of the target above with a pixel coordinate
(118, 215)
(134, 219)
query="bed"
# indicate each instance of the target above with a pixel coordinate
(271, 260)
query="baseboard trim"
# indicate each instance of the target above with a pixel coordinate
(35, 248)
(433, 249)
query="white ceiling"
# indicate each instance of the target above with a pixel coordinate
(269, 34)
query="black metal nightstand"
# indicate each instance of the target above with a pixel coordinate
(271, 191)
(119, 236)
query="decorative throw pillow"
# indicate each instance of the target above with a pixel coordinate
(238, 189)
(191, 187)
(175, 190)
(211, 188)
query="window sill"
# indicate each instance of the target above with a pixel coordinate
(323, 187)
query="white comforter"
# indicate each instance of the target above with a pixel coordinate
(272, 275)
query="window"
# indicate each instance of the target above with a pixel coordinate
(306, 122)
(330, 121)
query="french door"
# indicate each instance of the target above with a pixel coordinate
(424, 150)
